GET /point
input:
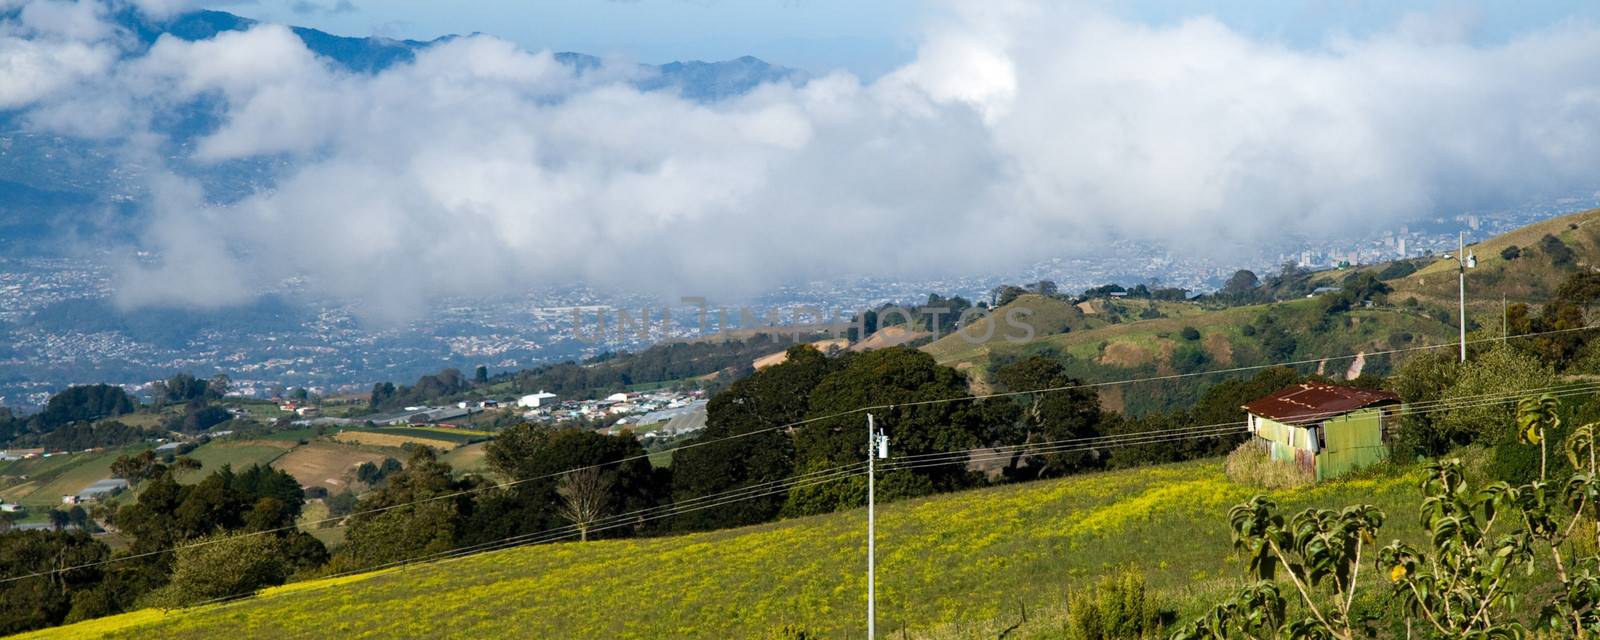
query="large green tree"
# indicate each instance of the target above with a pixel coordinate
(168, 514)
(743, 444)
(45, 600)
(220, 567)
(420, 511)
(1068, 411)
(1496, 371)
(923, 411)
(1183, 435)
(85, 402)
(534, 457)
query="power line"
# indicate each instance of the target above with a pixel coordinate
(851, 470)
(843, 472)
(1291, 363)
(806, 421)
(990, 453)
(559, 533)
(1561, 390)
(1203, 431)
(803, 422)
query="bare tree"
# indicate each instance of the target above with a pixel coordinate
(583, 496)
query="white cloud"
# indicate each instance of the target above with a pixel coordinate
(33, 70)
(163, 9)
(1020, 131)
(67, 19)
(51, 46)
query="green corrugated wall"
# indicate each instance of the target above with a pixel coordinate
(1354, 440)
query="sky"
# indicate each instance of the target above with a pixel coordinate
(866, 38)
(957, 138)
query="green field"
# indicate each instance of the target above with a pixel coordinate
(457, 436)
(466, 459)
(469, 433)
(955, 565)
(56, 476)
(1138, 348)
(293, 435)
(237, 453)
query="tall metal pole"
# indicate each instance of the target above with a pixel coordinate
(1461, 255)
(872, 598)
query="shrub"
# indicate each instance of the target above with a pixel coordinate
(1118, 608)
(1190, 358)
(1399, 269)
(220, 567)
(1560, 254)
(1252, 465)
(1511, 252)
(1190, 333)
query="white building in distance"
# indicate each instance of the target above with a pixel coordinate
(536, 400)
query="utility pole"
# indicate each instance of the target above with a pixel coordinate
(877, 447)
(1464, 261)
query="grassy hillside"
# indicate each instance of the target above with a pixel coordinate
(467, 459)
(956, 565)
(1047, 316)
(1531, 278)
(38, 483)
(1131, 348)
(329, 464)
(239, 454)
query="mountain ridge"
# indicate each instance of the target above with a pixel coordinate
(695, 79)
(66, 179)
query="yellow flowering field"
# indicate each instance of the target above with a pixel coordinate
(952, 562)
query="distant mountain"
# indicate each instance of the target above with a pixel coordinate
(356, 54)
(694, 79)
(701, 81)
(48, 177)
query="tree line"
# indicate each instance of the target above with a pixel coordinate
(84, 416)
(598, 376)
(235, 531)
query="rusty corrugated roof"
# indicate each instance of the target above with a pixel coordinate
(1314, 401)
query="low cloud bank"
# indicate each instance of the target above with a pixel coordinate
(1020, 131)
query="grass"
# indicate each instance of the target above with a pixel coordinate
(291, 435)
(956, 565)
(58, 475)
(466, 459)
(395, 441)
(240, 454)
(656, 386)
(312, 521)
(1146, 348)
(327, 464)
(427, 435)
(1532, 278)
(142, 419)
(454, 432)
(1047, 316)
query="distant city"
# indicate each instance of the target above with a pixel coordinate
(59, 328)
